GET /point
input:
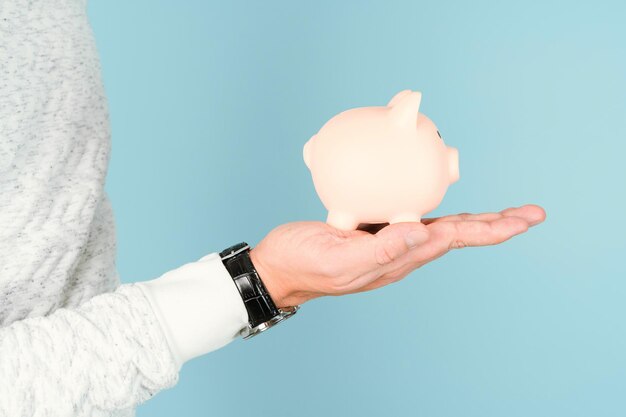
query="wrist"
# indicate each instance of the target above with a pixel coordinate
(280, 289)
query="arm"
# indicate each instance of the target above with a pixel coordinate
(118, 349)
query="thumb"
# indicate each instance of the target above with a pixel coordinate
(390, 243)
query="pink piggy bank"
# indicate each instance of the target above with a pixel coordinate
(380, 164)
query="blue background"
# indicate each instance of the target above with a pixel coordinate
(211, 103)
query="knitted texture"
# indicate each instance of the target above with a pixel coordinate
(54, 149)
(72, 341)
(100, 359)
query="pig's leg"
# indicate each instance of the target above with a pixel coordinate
(341, 220)
(405, 217)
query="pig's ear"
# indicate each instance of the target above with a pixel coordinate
(405, 108)
(397, 98)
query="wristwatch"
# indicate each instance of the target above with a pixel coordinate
(262, 311)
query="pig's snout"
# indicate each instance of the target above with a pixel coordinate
(453, 164)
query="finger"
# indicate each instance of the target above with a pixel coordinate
(445, 236)
(532, 213)
(454, 235)
(464, 217)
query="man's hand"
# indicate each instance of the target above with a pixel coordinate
(304, 260)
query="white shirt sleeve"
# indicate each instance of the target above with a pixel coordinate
(199, 307)
(118, 349)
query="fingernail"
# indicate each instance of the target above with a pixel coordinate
(415, 238)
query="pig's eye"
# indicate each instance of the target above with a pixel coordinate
(439, 135)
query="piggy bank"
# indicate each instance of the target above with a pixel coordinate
(385, 164)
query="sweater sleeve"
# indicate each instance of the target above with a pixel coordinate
(117, 349)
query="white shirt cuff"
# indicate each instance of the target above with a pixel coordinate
(198, 306)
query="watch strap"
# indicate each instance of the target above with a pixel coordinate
(258, 303)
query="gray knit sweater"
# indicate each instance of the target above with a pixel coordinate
(73, 342)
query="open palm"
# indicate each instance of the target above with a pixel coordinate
(304, 260)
